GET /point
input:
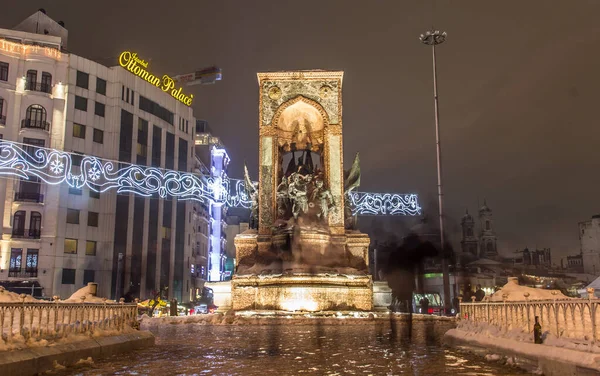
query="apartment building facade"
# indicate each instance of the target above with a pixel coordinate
(63, 237)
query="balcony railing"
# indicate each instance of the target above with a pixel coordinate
(39, 86)
(27, 273)
(20, 233)
(36, 124)
(3, 120)
(29, 196)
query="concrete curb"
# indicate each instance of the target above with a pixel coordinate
(550, 360)
(32, 361)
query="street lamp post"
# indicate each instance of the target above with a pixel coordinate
(433, 38)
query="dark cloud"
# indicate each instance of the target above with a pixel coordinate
(517, 90)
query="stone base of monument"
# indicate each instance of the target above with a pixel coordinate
(302, 292)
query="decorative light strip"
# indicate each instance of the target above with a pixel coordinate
(384, 204)
(56, 167)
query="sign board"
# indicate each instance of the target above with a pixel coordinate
(139, 67)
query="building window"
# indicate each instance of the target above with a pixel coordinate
(16, 256)
(71, 246)
(19, 224)
(73, 216)
(68, 276)
(88, 276)
(31, 79)
(75, 191)
(46, 84)
(90, 248)
(142, 150)
(35, 117)
(31, 261)
(3, 71)
(83, 79)
(94, 191)
(98, 136)
(80, 103)
(100, 86)
(93, 219)
(155, 109)
(2, 118)
(78, 130)
(487, 225)
(76, 159)
(100, 108)
(35, 225)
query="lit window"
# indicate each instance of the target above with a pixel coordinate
(90, 248)
(78, 130)
(71, 246)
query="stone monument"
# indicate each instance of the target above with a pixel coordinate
(303, 252)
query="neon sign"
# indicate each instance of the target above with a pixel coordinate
(139, 67)
(25, 49)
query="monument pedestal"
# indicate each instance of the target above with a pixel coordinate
(302, 293)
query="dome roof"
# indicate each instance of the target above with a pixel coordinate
(485, 208)
(467, 217)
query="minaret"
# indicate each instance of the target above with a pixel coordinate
(469, 240)
(487, 235)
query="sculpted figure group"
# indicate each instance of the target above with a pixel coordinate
(304, 194)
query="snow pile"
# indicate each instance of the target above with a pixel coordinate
(516, 293)
(526, 349)
(11, 297)
(88, 293)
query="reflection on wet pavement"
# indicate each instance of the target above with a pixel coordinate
(377, 348)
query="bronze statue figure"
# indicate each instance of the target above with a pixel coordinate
(252, 191)
(323, 199)
(351, 181)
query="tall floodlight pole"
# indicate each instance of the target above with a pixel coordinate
(433, 38)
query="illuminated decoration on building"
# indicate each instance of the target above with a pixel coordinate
(56, 167)
(26, 49)
(384, 204)
(131, 62)
(219, 161)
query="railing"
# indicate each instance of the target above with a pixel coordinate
(27, 273)
(39, 86)
(36, 124)
(55, 320)
(575, 318)
(33, 233)
(29, 196)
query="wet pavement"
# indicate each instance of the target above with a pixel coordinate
(376, 348)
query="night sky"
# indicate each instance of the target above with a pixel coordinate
(517, 83)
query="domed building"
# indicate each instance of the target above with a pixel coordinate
(482, 245)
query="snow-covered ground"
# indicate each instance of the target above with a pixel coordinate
(517, 344)
(284, 318)
(516, 292)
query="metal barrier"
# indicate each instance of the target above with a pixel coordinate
(573, 318)
(53, 320)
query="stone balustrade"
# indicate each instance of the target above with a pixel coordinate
(569, 318)
(53, 320)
